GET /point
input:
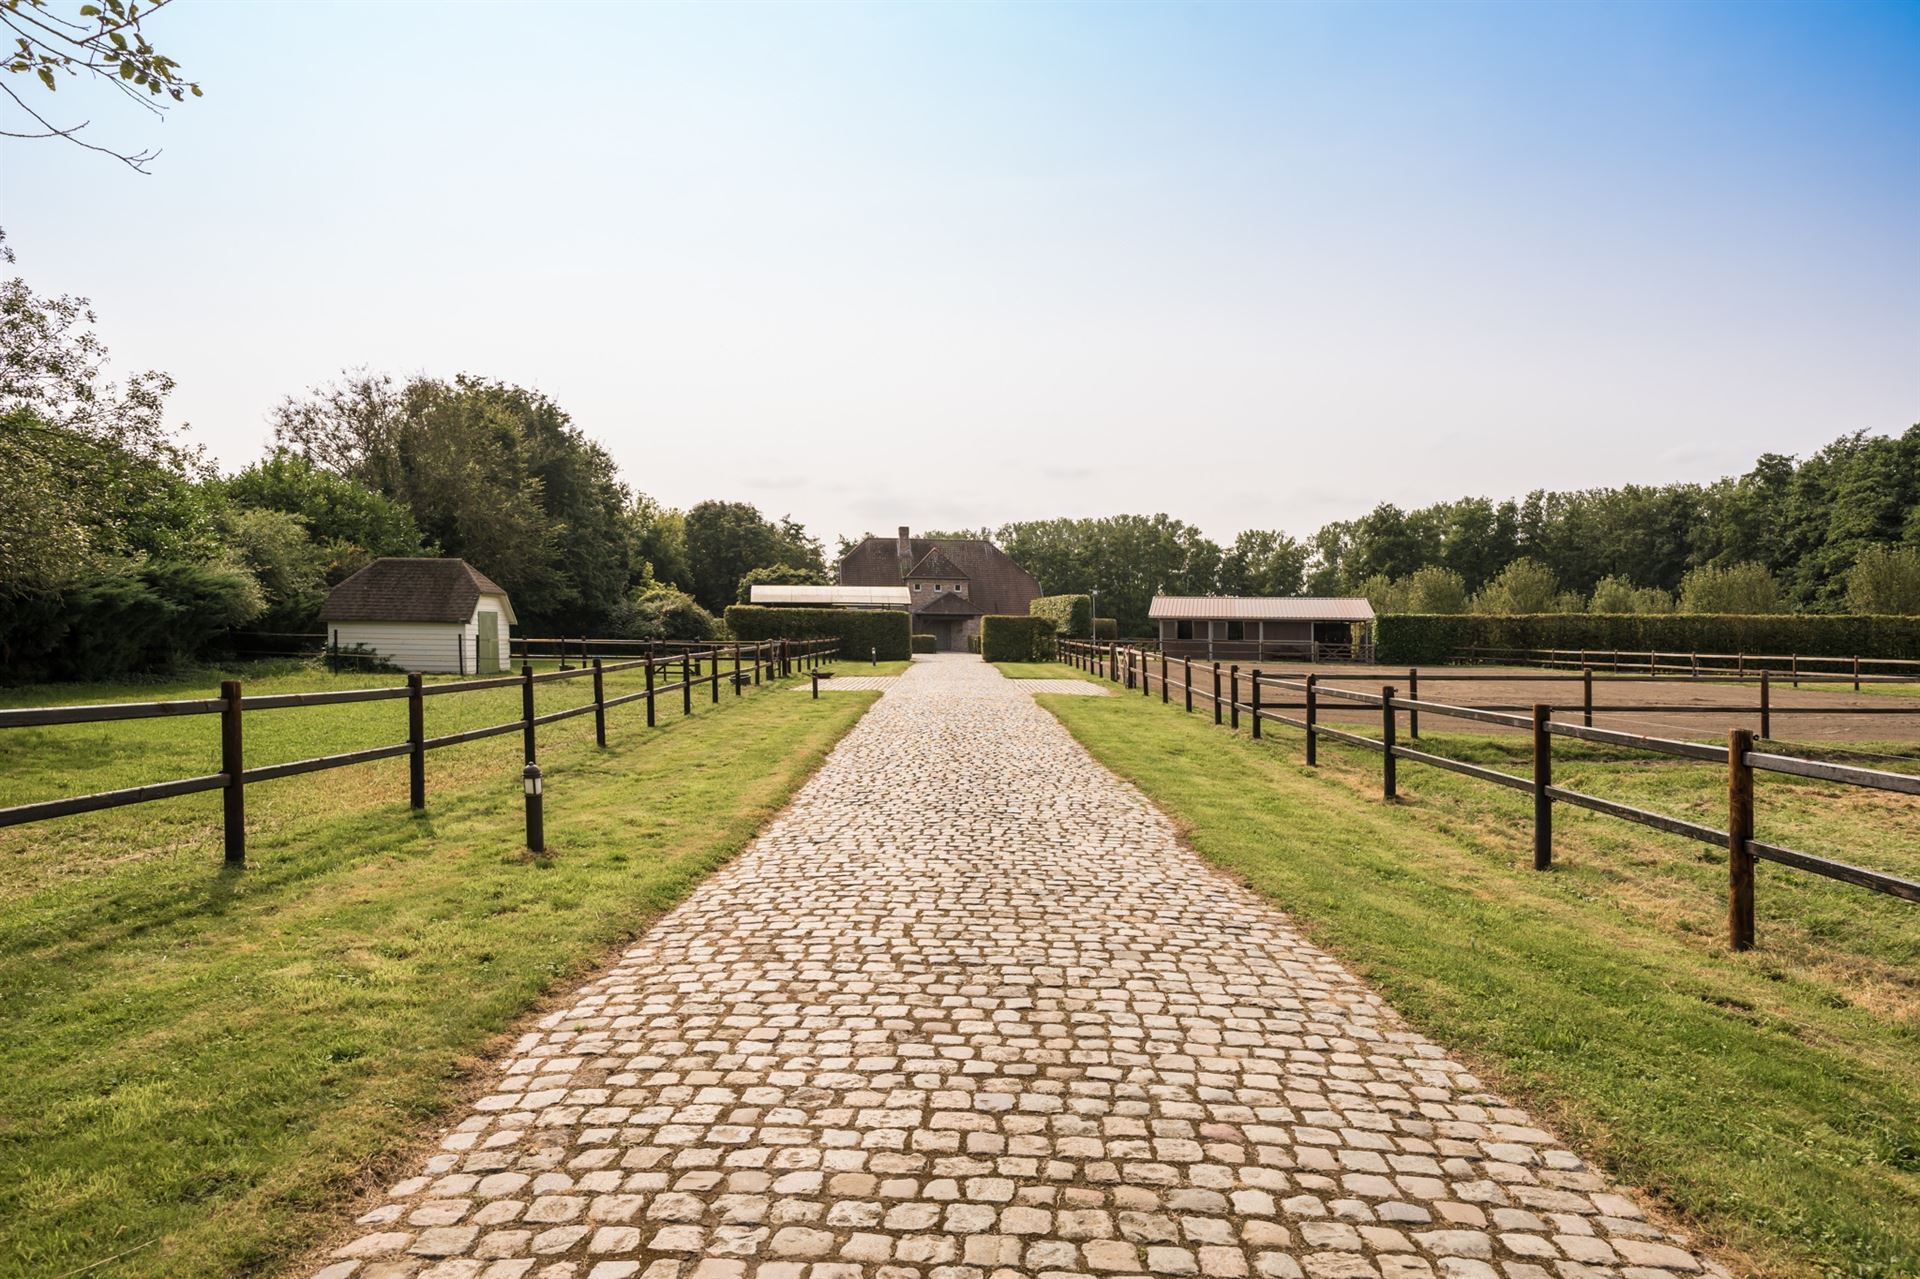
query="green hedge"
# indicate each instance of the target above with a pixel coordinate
(1410, 639)
(1072, 615)
(1008, 638)
(926, 643)
(857, 630)
(1106, 628)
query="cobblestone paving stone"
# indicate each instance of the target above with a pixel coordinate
(968, 1010)
(851, 684)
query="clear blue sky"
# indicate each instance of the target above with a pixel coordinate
(957, 264)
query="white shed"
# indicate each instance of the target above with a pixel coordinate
(423, 615)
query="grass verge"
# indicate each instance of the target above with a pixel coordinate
(1042, 670)
(1770, 1099)
(200, 1066)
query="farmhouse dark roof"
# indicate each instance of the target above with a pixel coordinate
(411, 590)
(936, 564)
(947, 604)
(995, 584)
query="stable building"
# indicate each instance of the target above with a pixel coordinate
(1223, 627)
(440, 615)
(951, 582)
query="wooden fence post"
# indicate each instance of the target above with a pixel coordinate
(1794, 666)
(1163, 677)
(1739, 832)
(1413, 695)
(1186, 681)
(736, 668)
(599, 703)
(713, 672)
(1542, 780)
(1766, 705)
(1256, 705)
(1586, 696)
(649, 670)
(1389, 766)
(233, 813)
(759, 660)
(686, 683)
(1216, 692)
(1146, 674)
(1313, 709)
(1856, 674)
(1233, 696)
(416, 741)
(526, 709)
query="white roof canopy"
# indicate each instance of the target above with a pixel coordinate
(834, 596)
(1267, 608)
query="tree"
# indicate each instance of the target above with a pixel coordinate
(102, 41)
(663, 613)
(1524, 586)
(1432, 589)
(1613, 594)
(1263, 562)
(350, 521)
(493, 473)
(289, 567)
(657, 543)
(727, 540)
(1885, 579)
(1740, 588)
(777, 575)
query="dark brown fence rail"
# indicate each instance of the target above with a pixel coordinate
(736, 664)
(1797, 668)
(1221, 691)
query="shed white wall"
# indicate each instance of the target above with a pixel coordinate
(437, 647)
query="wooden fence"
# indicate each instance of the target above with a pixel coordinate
(1135, 668)
(738, 664)
(1798, 668)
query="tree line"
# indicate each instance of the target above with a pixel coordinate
(123, 548)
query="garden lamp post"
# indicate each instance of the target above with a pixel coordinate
(1093, 623)
(530, 781)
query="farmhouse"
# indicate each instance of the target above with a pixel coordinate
(1236, 626)
(951, 582)
(423, 615)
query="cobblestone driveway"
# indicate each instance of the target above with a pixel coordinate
(969, 1010)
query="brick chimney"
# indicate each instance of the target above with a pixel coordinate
(903, 549)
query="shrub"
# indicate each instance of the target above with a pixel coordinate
(888, 634)
(660, 612)
(1742, 588)
(1615, 595)
(132, 617)
(1105, 628)
(1009, 638)
(1072, 615)
(1885, 579)
(1412, 639)
(1525, 586)
(926, 643)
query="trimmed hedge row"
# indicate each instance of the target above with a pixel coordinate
(1009, 638)
(1106, 628)
(926, 643)
(1413, 639)
(1072, 615)
(888, 634)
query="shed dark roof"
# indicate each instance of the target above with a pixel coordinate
(995, 584)
(947, 604)
(411, 590)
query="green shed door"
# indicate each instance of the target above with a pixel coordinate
(487, 661)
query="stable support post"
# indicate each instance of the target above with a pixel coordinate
(416, 742)
(1389, 765)
(1542, 782)
(233, 809)
(599, 705)
(1313, 718)
(526, 710)
(1739, 835)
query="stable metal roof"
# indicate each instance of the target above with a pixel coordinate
(834, 596)
(1264, 608)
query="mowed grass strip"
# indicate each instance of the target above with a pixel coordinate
(200, 1066)
(1771, 1099)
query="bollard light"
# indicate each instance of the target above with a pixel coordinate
(531, 782)
(873, 655)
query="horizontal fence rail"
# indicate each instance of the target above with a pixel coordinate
(1220, 690)
(1798, 668)
(687, 668)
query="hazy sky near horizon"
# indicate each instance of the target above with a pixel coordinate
(945, 265)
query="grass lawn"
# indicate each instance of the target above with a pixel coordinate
(1770, 1099)
(200, 1066)
(849, 667)
(1042, 670)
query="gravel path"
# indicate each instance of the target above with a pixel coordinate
(968, 1010)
